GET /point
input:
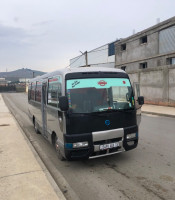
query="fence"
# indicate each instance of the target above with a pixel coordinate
(4, 88)
(13, 88)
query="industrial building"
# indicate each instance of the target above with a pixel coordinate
(3, 82)
(149, 48)
(149, 59)
(147, 56)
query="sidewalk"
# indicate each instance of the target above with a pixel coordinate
(158, 110)
(21, 175)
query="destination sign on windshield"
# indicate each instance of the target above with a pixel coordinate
(97, 83)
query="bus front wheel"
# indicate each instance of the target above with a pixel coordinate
(57, 148)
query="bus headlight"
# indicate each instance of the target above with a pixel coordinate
(131, 136)
(80, 145)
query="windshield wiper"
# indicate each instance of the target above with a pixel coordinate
(98, 114)
(115, 110)
(103, 112)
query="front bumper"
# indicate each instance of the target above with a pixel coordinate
(95, 139)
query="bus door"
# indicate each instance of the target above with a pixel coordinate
(43, 109)
(136, 88)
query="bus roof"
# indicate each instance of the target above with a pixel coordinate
(65, 71)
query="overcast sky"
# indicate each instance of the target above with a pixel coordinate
(45, 34)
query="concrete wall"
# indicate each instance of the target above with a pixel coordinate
(172, 85)
(20, 88)
(157, 85)
(158, 60)
(136, 51)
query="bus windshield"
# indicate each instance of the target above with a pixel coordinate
(99, 95)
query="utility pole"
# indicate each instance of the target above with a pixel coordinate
(86, 58)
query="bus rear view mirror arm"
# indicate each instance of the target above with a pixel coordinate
(63, 102)
(141, 100)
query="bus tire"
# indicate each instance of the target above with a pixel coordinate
(58, 152)
(35, 127)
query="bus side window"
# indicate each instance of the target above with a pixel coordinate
(38, 92)
(54, 92)
(29, 92)
(32, 95)
(59, 92)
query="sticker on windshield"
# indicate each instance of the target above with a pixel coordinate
(69, 100)
(56, 79)
(102, 83)
(75, 83)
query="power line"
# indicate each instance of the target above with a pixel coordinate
(97, 50)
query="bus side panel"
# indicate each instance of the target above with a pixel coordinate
(54, 115)
(35, 111)
(38, 115)
(54, 123)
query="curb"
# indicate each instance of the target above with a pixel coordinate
(160, 114)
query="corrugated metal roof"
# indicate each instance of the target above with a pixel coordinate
(167, 40)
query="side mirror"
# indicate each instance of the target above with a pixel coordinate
(63, 103)
(133, 90)
(141, 100)
(127, 96)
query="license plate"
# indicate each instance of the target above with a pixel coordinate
(109, 146)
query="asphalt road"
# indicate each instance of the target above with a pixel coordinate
(147, 172)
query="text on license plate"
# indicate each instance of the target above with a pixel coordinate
(109, 146)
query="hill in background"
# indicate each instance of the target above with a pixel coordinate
(20, 73)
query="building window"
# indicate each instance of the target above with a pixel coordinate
(143, 40)
(32, 91)
(38, 91)
(111, 49)
(123, 47)
(170, 61)
(123, 68)
(143, 65)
